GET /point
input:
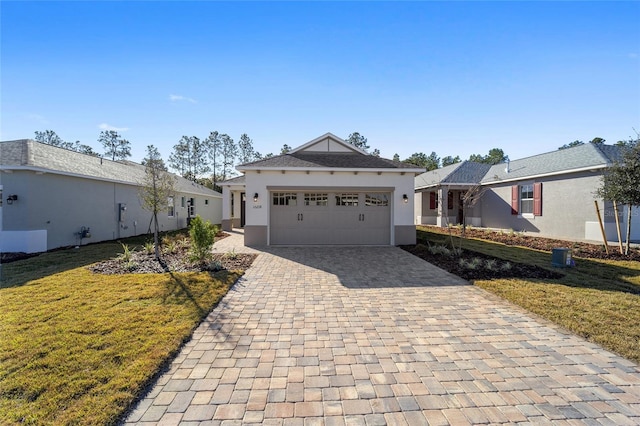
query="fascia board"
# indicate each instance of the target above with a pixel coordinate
(330, 169)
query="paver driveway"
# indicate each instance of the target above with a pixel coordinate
(372, 336)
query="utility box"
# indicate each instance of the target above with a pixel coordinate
(561, 258)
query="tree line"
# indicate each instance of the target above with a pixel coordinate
(213, 159)
(115, 147)
(495, 155)
(597, 141)
(204, 160)
(432, 161)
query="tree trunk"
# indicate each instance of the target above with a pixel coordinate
(155, 235)
(626, 248)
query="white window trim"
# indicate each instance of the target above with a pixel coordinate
(520, 214)
(171, 204)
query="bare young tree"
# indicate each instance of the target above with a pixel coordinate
(156, 189)
(621, 182)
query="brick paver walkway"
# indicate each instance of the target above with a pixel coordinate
(374, 336)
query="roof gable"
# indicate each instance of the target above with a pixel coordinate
(327, 152)
(463, 173)
(327, 143)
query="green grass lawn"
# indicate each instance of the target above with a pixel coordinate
(78, 347)
(598, 299)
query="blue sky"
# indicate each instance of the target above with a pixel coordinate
(457, 78)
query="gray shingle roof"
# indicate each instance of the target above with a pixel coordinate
(346, 160)
(464, 173)
(238, 180)
(560, 161)
(556, 162)
(30, 154)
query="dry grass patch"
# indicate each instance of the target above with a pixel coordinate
(79, 348)
(598, 299)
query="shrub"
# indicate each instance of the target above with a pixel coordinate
(231, 254)
(491, 264)
(149, 248)
(439, 249)
(474, 263)
(126, 254)
(215, 266)
(202, 238)
(170, 247)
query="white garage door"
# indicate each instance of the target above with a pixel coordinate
(353, 218)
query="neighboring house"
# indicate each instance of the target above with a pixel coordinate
(550, 194)
(51, 197)
(325, 192)
(449, 184)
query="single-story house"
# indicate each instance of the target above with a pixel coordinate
(324, 192)
(52, 197)
(550, 194)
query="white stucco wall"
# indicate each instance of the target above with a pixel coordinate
(257, 213)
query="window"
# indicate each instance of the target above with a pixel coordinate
(171, 209)
(192, 207)
(285, 199)
(526, 199)
(376, 199)
(348, 199)
(182, 203)
(311, 199)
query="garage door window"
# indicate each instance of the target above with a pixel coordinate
(285, 199)
(311, 199)
(347, 199)
(376, 199)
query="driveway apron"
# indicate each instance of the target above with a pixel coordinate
(374, 336)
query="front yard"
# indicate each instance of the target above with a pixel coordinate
(78, 347)
(598, 299)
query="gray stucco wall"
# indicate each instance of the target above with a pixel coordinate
(62, 205)
(567, 203)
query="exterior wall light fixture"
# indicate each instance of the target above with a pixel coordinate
(405, 198)
(255, 197)
(12, 198)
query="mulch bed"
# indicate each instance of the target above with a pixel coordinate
(487, 267)
(177, 260)
(453, 263)
(142, 263)
(579, 249)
